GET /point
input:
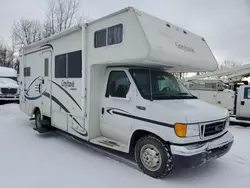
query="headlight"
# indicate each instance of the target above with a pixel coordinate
(193, 130)
(184, 130)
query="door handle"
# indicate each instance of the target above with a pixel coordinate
(141, 108)
(242, 103)
(102, 110)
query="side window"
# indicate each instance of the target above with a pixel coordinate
(69, 65)
(74, 64)
(60, 66)
(108, 36)
(115, 34)
(46, 67)
(100, 38)
(247, 93)
(26, 71)
(118, 84)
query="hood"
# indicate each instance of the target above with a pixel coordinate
(194, 110)
(8, 83)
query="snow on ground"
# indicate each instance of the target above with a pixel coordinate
(30, 160)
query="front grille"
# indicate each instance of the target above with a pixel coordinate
(13, 91)
(9, 91)
(212, 128)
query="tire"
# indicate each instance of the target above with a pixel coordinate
(38, 117)
(153, 157)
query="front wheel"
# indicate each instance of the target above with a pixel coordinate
(153, 157)
(38, 118)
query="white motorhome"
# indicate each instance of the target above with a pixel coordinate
(108, 82)
(231, 93)
(9, 88)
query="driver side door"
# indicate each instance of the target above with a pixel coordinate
(116, 107)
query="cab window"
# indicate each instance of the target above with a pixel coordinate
(247, 93)
(118, 84)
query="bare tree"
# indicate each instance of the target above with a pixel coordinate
(228, 64)
(6, 55)
(49, 25)
(180, 75)
(2, 54)
(84, 19)
(61, 15)
(25, 32)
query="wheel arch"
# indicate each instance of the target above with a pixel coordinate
(35, 109)
(139, 133)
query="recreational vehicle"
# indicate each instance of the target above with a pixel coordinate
(9, 88)
(109, 82)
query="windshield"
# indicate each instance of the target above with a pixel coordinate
(7, 80)
(159, 85)
(10, 77)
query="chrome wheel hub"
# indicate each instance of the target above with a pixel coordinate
(150, 157)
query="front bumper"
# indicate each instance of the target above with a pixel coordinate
(9, 97)
(197, 154)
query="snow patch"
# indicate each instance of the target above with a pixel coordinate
(30, 160)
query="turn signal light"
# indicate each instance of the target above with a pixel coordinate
(180, 129)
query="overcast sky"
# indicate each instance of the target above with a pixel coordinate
(225, 24)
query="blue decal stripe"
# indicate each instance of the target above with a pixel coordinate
(32, 98)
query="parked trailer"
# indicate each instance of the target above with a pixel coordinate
(108, 82)
(9, 88)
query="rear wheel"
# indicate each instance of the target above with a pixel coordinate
(153, 157)
(38, 118)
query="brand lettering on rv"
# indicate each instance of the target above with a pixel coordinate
(184, 47)
(68, 83)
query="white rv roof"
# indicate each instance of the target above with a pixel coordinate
(7, 72)
(163, 44)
